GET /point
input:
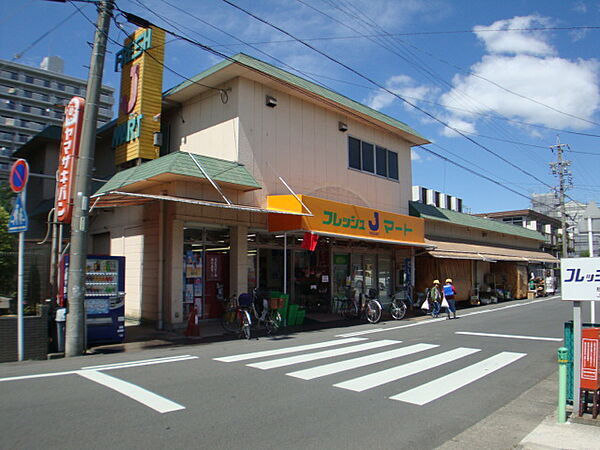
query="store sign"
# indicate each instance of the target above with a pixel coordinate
(69, 150)
(343, 219)
(580, 279)
(141, 65)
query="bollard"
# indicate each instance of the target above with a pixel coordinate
(562, 384)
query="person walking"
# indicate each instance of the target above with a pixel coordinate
(449, 292)
(435, 296)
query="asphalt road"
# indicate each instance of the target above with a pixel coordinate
(397, 384)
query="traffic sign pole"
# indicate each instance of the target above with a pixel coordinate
(20, 286)
(19, 174)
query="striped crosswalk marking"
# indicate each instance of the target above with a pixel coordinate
(341, 366)
(395, 373)
(442, 386)
(321, 355)
(286, 350)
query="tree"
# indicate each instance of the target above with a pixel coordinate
(8, 256)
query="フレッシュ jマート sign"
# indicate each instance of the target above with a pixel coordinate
(580, 279)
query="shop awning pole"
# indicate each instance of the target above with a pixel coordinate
(285, 263)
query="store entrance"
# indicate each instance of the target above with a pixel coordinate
(205, 271)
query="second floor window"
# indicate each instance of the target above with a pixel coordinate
(373, 159)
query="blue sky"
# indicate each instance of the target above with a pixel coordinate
(512, 75)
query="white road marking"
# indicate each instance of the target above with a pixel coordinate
(144, 362)
(121, 365)
(462, 315)
(510, 336)
(283, 351)
(145, 397)
(395, 373)
(38, 375)
(442, 386)
(341, 366)
(321, 355)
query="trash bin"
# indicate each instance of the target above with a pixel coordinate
(61, 319)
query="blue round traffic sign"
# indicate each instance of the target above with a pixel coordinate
(19, 173)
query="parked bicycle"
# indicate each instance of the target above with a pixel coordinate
(239, 312)
(398, 306)
(265, 311)
(236, 317)
(364, 306)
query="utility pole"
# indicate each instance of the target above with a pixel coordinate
(75, 342)
(565, 180)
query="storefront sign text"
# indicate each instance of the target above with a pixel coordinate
(141, 64)
(69, 149)
(580, 279)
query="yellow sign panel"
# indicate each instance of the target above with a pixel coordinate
(141, 64)
(344, 219)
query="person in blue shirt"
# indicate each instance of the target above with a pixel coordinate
(449, 292)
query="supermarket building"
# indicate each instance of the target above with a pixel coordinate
(252, 158)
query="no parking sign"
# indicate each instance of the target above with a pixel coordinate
(19, 173)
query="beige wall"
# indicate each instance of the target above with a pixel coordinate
(298, 140)
(134, 234)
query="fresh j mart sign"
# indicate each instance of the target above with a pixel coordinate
(580, 279)
(141, 64)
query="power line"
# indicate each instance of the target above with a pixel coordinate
(387, 90)
(419, 33)
(215, 52)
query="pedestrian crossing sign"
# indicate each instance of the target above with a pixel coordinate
(18, 221)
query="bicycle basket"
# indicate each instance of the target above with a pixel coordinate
(276, 303)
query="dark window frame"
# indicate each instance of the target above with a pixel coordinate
(359, 159)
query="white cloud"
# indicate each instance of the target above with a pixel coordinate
(405, 87)
(529, 42)
(530, 67)
(414, 156)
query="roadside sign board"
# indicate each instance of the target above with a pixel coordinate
(18, 221)
(19, 173)
(580, 279)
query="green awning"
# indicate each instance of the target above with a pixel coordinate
(181, 165)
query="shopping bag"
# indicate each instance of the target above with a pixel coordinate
(445, 303)
(425, 305)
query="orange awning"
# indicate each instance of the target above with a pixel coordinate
(343, 220)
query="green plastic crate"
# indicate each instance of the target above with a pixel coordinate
(291, 316)
(300, 315)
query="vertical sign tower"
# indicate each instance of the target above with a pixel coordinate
(141, 65)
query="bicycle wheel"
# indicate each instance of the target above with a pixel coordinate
(246, 324)
(351, 310)
(398, 309)
(230, 321)
(273, 322)
(373, 311)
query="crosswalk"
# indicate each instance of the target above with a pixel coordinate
(379, 351)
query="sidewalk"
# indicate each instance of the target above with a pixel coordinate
(529, 423)
(577, 434)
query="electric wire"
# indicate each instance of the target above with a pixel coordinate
(379, 85)
(213, 51)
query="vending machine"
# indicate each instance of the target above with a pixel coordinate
(104, 297)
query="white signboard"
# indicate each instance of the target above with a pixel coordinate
(580, 279)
